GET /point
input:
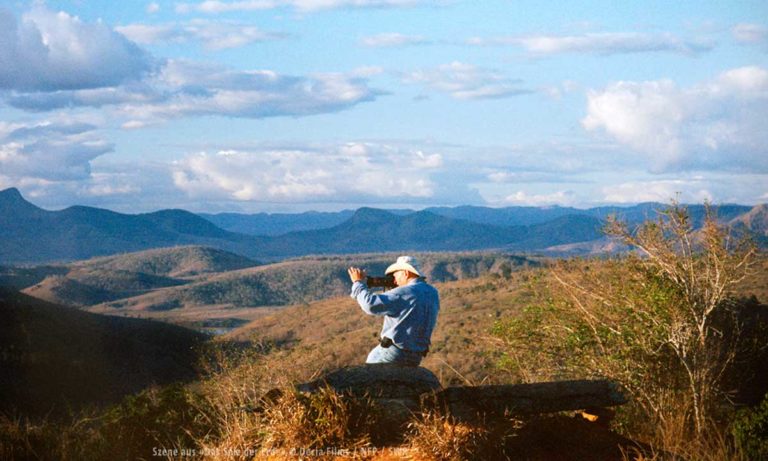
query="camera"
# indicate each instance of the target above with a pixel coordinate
(387, 282)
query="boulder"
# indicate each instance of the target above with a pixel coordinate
(397, 390)
(471, 402)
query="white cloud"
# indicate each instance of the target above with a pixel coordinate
(133, 125)
(465, 81)
(686, 191)
(606, 43)
(48, 51)
(49, 151)
(207, 90)
(138, 93)
(513, 177)
(750, 33)
(217, 6)
(563, 198)
(191, 89)
(721, 124)
(153, 8)
(392, 40)
(344, 173)
(214, 35)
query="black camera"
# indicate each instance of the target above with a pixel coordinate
(387, 282)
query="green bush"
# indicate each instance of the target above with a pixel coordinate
(750, 431)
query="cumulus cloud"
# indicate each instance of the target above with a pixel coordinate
(219, 6)
(606, 43)
(53, 60)
(393, 39)
(49, 51)
(214, 35)
(49, 151)
(721, 124)
(344, 172)
(465, 81)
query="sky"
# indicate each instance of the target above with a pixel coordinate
(293, 105)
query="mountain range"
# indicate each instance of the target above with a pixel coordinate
(33, 235)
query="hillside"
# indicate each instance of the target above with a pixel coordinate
(303, 280)
(53, 358)
(331, 333)
(99, 280)
(755, 222)
(169, 262)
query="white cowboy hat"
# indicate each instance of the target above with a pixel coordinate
(405, 263)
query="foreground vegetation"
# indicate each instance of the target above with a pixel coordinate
(681, 327)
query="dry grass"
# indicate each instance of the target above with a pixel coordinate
(435, 436)
(321, 420)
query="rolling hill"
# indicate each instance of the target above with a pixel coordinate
(302, 280)
(103, 279)
(53, 359)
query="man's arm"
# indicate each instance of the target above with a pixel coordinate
(373, 304)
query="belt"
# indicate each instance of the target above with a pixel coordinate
(387, 342)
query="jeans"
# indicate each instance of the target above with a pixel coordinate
(392, 354)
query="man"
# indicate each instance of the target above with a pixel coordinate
(409, 310)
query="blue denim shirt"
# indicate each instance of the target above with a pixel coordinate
(410, 312)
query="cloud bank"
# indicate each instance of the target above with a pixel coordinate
(51, 61)
(717, 125)
(342, 173)
(48, 51)
(49, 151)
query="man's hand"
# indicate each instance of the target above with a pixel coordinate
(356, 274)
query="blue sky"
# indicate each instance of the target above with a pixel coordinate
(291, 105)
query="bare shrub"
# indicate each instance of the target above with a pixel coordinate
(658, 320)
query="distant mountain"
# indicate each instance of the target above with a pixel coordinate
(272, 224)
(372, 230)
(33, 235)
(281, 223)
(755, 220)
(54, 359)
